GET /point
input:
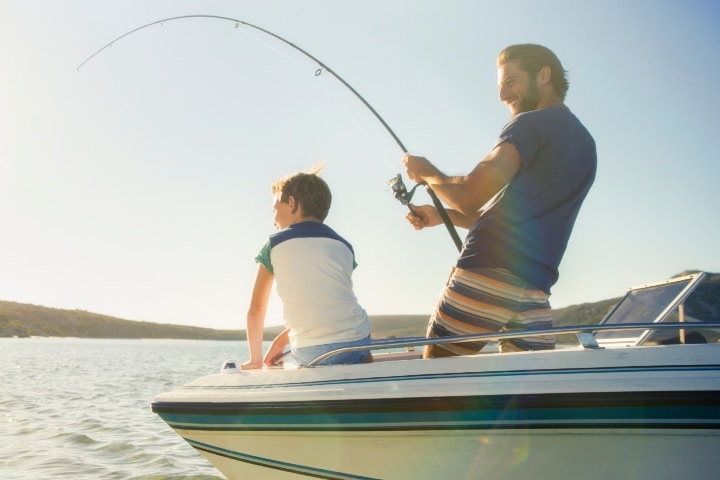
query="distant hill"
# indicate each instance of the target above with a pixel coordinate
(24, 320)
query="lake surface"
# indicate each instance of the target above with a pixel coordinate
(80, 408)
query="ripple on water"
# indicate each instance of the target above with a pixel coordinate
(80, 409)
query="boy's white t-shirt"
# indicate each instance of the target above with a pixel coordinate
(313, 268)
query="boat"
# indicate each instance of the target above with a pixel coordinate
(624, 402)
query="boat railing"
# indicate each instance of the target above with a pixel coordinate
(585, 335)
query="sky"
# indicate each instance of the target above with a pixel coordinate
(138, 186)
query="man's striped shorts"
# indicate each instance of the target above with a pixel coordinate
(490, 300)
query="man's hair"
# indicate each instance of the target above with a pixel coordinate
(310, 191)
(532, 58)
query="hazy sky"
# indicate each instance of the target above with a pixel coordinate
(139, 186)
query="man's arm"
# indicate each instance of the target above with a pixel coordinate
(422, 216)
(468, 193)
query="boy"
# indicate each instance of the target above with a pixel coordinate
(313, 267)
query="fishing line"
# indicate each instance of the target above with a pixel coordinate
(276, 50)
(397, 185)
(357, 123)
(328, 90)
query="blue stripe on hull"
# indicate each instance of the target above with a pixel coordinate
(574, 410)
(275, 464)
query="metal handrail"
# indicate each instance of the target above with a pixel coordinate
(491, 337)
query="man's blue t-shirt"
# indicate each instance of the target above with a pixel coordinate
(526, 227)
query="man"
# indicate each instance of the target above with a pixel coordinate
(519, 203)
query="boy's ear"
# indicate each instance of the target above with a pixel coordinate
(293, 204)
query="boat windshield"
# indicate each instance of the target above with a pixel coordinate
(649, 303)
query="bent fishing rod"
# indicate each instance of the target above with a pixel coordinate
(397, 186)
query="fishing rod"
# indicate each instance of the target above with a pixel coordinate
(396, 184)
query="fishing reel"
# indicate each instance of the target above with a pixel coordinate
(400, 191)
(404, 196)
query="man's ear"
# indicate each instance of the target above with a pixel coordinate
(544, 75)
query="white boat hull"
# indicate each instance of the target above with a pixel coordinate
(645, 412)
(489, 454)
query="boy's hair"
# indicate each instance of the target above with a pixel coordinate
(532, 58)
(310, 191)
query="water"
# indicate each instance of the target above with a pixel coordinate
(80, 408)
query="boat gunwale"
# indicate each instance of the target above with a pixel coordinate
(581, 330)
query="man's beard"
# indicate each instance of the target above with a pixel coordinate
(531, 99)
